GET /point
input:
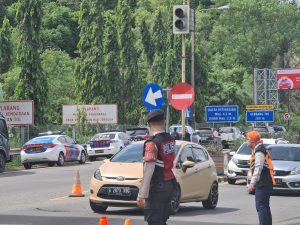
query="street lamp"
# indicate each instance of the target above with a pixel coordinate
(223, 8)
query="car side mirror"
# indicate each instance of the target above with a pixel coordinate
(187, 164)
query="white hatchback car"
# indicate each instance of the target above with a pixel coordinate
(239, 164)
(51, 149)
(107, 144)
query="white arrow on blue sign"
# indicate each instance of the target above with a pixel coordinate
(153, 97)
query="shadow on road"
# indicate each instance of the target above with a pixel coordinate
(195, 210)
(16, 173)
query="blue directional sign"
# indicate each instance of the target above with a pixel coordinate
(260, 116)
(153, 97)
(222, 114)
(188, 113)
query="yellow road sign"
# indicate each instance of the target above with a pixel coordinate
(260, 107)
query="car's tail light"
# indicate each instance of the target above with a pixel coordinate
(49, 145)
(146, 136)
(24, 148)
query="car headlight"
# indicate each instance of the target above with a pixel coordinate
(235, 160)
(295, 171)
(97, 175)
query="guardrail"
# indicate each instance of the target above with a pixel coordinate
(15, 151)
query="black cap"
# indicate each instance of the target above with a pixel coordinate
(155, 115)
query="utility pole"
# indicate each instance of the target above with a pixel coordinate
(193, 64)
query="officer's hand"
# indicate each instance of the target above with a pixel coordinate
(140, 202)
(250, 188)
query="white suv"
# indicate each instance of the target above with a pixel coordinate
(239, 164)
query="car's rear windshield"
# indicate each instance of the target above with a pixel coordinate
(225, 130)
(139, 131)
(245, 149)
(132, 153)
(260, 129)
(205, 131)
(284, 153)
(103, 136)
(41, 140)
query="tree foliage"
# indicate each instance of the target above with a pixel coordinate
(32, 84)
(5, 47)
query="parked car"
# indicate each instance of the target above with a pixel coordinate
(286, 161)
(51, 148)
(106, 144)
(229, 134)
(279, 129)
(194, 137)
(239, 164)
(206, 135)
(138, 133)
(117, 181)
(4, 144)
(265, 131)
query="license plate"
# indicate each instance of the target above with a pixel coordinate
(120, 191)
(99, 151)
(203, 138)
(278, 181)
(34, 149)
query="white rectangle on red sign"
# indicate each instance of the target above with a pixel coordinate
(182, 96)
(18, 112)
(95, 114)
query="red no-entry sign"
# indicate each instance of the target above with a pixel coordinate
(182, 96)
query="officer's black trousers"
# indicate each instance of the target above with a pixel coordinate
(157, 206)
(262, 200)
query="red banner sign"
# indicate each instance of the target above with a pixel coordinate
(288, 79)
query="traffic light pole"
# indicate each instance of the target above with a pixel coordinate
(183, 75)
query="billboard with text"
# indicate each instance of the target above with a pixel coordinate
(19, 112)
(95, 114)
(288, 79)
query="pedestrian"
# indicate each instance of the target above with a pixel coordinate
(175, 134)
(158, 182)
(187, 136)
(262, 180)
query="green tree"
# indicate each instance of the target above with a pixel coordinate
(59, 28)
(89, 73)
(131, 81)
(32, 82)
(58, 67)
(5, 47)
(111, 59)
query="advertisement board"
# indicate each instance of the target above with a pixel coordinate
(95, 114)
(222, 114)
(288, 79)
(19, 112)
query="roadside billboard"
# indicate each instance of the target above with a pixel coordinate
(19, 112)
(288, 79)
(95, 114)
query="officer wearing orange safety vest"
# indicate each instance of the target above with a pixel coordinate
(262, 179)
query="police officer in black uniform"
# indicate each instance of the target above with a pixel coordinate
(158, 179)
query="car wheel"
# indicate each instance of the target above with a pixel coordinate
(92, 158)
(61, 159)
(2, 163)
(213, 197)
(27, 166)
(175, 201)
(82, 158)
(50, 164)
(97, 208)
(231, 181)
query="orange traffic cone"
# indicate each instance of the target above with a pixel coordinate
(127, 222)
(103, 220)
(76, 189)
